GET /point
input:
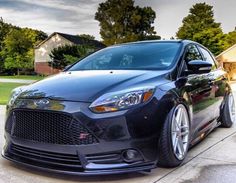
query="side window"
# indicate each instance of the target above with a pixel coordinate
(192, 53)
(207, 56)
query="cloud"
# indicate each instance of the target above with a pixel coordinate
(77, 16)
(53, 15)
(170, 14)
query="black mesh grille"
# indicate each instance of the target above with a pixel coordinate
(48, 127)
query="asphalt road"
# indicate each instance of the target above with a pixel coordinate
(211, 161)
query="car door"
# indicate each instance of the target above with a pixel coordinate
(218, 81)
(200, 91)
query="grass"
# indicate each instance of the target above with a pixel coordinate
(5, 91)
(26, 77)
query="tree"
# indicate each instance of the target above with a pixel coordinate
(4, 29)
(150, 37)
(120, 21)
(17, 51)
(87, 36)
(68, 54)
(200, 26)
(35, 36)
(17, 46)
(231, 38)
(213, 39)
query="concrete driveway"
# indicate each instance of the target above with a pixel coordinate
(211, 161)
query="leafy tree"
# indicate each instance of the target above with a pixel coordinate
(87, 36)
(17, 51)
(200, 26)
(231, 38)
(4, 29)
(66, 55)
(35, 36)
(213, 39)
(120, 21)
(18, 48)
(151, 37)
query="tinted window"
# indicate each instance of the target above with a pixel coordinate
(133, 56)
(192, 53)
(207, 56)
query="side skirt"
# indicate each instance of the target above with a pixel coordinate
(204, 131)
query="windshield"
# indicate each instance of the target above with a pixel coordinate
(158, 56)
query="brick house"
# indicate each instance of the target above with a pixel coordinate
(43, 50)
(227, 59)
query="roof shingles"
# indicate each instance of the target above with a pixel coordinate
(76, 40)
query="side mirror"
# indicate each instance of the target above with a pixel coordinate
(199, 66)
(66, 67)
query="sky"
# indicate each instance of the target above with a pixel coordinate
(77, 16)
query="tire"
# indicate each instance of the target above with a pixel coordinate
(166, 154)
(227, 119)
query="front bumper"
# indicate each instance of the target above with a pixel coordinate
(46, 162)
(114, 134)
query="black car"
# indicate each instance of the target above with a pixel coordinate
(128, 107)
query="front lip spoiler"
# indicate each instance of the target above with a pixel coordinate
(140, 168)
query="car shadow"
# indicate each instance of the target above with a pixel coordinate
(81, 178)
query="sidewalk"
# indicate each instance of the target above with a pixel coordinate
(16, 81)
(215, 164)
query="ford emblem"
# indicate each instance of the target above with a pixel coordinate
(41, 102)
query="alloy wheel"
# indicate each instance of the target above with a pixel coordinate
(180, 132)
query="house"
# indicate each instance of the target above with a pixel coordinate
(227, 59)
(43, 50)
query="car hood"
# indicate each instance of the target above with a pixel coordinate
(86, 86)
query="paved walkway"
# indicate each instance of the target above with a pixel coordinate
(16, 81)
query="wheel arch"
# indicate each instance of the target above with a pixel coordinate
(170, 100)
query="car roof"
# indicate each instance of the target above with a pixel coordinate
(184, 41)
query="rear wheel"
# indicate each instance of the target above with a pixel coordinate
(228, 115)
(174, 138)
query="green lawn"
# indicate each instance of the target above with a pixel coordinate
(5, 91)
(27, 77)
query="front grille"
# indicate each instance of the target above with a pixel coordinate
(69, 162)
(48, 127)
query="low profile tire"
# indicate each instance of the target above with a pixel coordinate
(174, 138)
(228, 115)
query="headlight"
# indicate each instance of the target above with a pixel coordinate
(14, 94)
(121, 100)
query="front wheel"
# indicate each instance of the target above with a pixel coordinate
(228, 115)
(174, 138)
